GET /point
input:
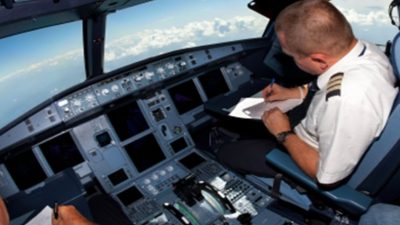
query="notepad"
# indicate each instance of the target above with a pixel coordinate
(254, 108)
(42, 218)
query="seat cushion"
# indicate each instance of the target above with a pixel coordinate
(343, 197)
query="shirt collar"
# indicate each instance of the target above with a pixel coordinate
(357, 51)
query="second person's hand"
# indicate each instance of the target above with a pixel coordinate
(69, 215)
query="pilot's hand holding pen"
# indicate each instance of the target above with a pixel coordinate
(273, 92)
(276, 92)
(68, 215)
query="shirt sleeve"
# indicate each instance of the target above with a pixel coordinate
(347, 128)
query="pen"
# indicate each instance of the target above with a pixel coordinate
(270, 84)
(55, 210)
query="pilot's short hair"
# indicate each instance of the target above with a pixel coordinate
(314, 26)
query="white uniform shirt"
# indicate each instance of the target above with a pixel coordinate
(341, 123)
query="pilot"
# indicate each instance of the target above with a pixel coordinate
(353, 95)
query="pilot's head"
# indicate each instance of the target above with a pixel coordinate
(315, 33)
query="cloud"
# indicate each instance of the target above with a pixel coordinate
(364, 6)
(70, 56)
(190, 44)
(156, 40)
(372, 18)
(189, 35)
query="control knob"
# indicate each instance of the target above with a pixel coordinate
(170, 66)
(114, 88)
(105, 91)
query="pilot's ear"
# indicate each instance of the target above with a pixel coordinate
(321, 60)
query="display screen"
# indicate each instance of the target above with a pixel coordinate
(129, 195)
(178, 145)
(25, 170)
(213, 83)
(127, 121)
(145, 152)
(103, 139)
(192, 160)
(284, 66)
(185, 96)
(61, 152)
(118, 177)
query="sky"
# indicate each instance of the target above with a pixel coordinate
(369, 19)
(39, 64)
(166, 27)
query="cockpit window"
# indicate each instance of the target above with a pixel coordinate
(37, 65)
(158, 27)
(369, 19)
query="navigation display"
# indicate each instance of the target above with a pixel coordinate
(185, 96)
(178, 145)
(192, 160)
(103, 139)
(145, 152)
(213, 83)
(129, 195)
(282, 65)
(61, 152)
(25, 170)
(118, 177)
(127, 121)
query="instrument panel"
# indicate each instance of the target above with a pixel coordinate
(134, 81)
(138, 147)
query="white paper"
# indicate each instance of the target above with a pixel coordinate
(43, 218)
(254, 108)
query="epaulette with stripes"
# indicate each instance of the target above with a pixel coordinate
(334, 85)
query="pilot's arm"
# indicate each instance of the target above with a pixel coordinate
(4, 218)
(304, 155)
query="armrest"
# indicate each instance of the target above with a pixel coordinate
(342, 196)
(64, 188)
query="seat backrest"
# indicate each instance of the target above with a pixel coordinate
(383, 157)
(380, 157)
(395, 56)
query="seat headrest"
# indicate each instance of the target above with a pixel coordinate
(395, 56)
